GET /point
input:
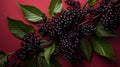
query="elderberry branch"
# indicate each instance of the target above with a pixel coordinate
(86, 4)
(11, 53)
(88, 20)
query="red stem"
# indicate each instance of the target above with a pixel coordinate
(11, 53)
(89, 20)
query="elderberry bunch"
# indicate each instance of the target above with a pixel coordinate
(111, 19)
(109, 14)
(63, 22)
(70, 46)
(68, 27)
(110, 23)
(29, 47)
(78, 15)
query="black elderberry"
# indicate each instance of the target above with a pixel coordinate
(44, 18)
(73, 3)
(111, 20)
(87, 30)
(70, 45)
(104, 2)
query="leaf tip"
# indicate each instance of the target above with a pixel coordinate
(9, 19)
(18, 4)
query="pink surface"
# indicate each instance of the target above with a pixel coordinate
(9, 43)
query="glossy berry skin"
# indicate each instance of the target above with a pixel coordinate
(44, 18)
(87, 30)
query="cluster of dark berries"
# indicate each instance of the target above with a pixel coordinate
(111, 19)
(30, 46)
(68, 27)
(70, 42)
(63, 22)
(62, 27)
(59, 24)
(70, 47)
(109, 14)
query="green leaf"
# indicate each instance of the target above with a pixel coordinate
(43, 42)
(57, 50)
(103, 48)
(48, 52)
(3, 58)
(18, 28)
(102, 33)
(31, 13)
(55, 7)
(42, 62)
(92, 2)
(31, 63)
(86, 48)
(53, 62)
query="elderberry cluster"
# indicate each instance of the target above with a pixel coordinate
(70, 46)
(67, 28)
(109, 15)
(60, 26)
(111, 19)
(63, 22)
(29, 47)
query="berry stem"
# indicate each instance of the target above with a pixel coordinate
(118, 5)
(86, 4)
(11, 53)
(89, 20)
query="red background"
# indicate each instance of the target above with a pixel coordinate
(8, 43)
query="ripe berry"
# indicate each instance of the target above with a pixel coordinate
(87, 30)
